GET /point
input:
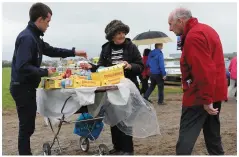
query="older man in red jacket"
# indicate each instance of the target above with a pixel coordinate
(204, 82)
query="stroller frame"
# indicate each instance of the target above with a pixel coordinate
(103, 149)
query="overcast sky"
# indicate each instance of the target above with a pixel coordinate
(82, 25)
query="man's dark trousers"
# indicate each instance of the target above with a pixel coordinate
(25, 99)
(156, 79)
(193, 119)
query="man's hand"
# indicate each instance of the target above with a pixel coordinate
(127, 65)
(164, 77)
(50, 72)
(85, 66)
(81, 53)
(210, 110)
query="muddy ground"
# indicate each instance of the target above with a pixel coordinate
(164, 144)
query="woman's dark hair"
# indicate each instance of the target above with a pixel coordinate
(39, 10)
(146, 52)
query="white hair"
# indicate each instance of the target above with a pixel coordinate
(181, 13)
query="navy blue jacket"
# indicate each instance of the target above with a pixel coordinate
(27, 57)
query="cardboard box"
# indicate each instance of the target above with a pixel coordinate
(96, 76)
(48, 83)
(77, 83)
(109, 77)
(78, 77)
(73, 83)
(90, 83)
(54, 83)
(111, 81)
(114, 67)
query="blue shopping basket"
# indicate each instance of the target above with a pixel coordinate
(89, 129)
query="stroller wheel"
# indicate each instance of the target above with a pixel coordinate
(46, 149)
(103, 149)
(84, 144)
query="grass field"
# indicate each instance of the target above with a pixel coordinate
(8, 102)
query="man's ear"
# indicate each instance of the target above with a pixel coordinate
(39, 19)
(180, 21)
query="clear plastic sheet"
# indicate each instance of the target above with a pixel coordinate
(137, 118)
(124, 107)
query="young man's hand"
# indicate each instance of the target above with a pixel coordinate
(50, 72)
(81, 53)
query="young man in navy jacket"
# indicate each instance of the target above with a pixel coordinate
(26, 72)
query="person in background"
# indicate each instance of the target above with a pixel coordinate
(144, 77)
(157, 73)
(204, 82)
(26, 72)
(233, 77)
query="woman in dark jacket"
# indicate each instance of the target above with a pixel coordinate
(119, 49)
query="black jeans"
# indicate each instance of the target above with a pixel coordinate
(156, 79)
(121, 141)
(193, 119)
(25, 99)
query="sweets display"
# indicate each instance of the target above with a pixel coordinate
(85, 78)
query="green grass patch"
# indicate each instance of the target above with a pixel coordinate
(172, 90)
(168, 90)
(7, 100)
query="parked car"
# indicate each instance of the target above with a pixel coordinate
(172, 68)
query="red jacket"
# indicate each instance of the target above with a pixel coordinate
(146, 69)
(233, 68)
(202, 61)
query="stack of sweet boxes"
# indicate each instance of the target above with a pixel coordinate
(104, 77)
(109, 76)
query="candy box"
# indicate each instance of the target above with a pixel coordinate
(78, 77)
(90, 83)
(71, 83)
(109, 77)
(49, 83)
